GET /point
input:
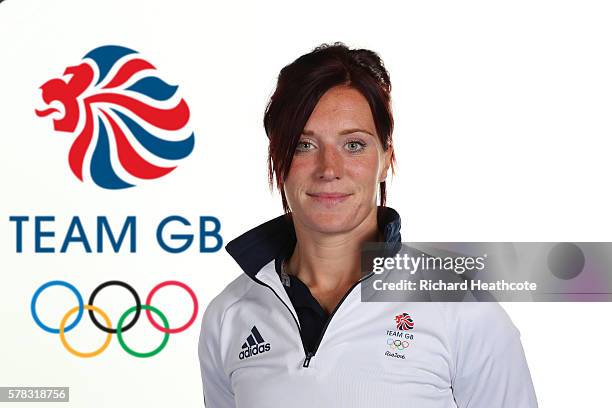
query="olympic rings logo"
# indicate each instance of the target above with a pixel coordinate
(107, 327)
(397, 344)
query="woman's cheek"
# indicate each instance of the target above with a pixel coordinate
(299, 167)
(364, 170)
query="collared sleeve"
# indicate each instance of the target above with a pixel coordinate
(215, 382)
(490, 365)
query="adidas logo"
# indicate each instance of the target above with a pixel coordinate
(254, 344)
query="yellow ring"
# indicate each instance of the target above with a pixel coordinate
(76, 352)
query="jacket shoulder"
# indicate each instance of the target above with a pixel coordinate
(232, 294)
(480, 318)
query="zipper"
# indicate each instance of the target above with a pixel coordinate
(307, 359)
(308, 355)
(311, 354)
(297, 324)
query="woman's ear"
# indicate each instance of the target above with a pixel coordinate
(387, 163)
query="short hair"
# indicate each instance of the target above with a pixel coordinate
(299, 87)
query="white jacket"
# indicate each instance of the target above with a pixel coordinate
(379, 354)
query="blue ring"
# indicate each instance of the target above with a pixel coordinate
(35, 298)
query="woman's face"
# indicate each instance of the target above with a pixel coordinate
(338, 164)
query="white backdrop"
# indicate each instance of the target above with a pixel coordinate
(502, 134)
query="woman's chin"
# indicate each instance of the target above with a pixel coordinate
(332, 221)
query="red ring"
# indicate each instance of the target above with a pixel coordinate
(193, 298)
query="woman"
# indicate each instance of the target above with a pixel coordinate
(292, 331)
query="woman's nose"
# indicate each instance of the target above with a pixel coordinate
(330, 166)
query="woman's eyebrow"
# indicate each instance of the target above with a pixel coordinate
(354, 130)
(341, 133)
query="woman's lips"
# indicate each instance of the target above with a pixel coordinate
(329, 199)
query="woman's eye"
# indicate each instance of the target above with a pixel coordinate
(303, 146)
(355, 145)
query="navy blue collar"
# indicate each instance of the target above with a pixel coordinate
(271, 240)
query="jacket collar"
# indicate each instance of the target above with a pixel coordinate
(259, 246)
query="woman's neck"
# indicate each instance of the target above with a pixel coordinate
(329, 264)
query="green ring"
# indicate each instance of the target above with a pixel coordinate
(120, 332)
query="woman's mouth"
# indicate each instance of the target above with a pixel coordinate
(329, 199)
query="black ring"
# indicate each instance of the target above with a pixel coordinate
(115, 283)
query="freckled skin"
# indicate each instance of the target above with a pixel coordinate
(328, 161)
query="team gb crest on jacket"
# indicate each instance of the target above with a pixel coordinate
(400, 338)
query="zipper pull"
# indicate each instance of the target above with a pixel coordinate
(307, 359)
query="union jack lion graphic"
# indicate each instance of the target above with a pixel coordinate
(129, 124)
(404, 322)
